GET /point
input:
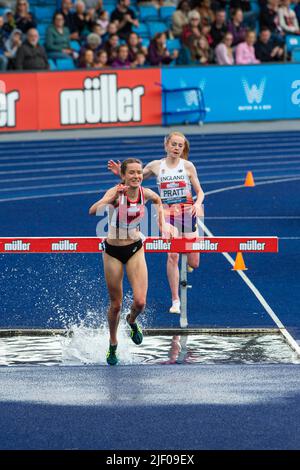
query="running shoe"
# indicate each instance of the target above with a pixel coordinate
(111, 356)
(136, 333)
(190, 269)
(175, 307)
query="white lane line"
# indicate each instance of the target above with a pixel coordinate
(294, 345)
(289, 238)
(44, 196)
(260, 183)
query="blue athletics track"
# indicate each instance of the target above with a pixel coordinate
(46, 188)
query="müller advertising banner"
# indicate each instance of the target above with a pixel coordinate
(64, 100)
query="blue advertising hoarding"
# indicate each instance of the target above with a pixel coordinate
(234, 93)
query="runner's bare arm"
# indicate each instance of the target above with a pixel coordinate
(108, 198)
(197, 207)
(153, 197)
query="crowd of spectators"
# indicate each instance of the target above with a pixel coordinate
(223, 32)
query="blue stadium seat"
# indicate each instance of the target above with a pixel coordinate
(75, 46)
(141, 30)
(44, 14)
(109, 2)
(42, 29)
(65, 64)
(166, 12)
(255, 6)
(110, 8)
(2, 10)
(291, 42)
(52, 64)
(173, 44)
(156, 27)
(145, 42)
(148, 12)
(296, 54)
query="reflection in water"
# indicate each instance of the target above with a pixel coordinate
(88, 346)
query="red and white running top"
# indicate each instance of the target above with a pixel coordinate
(127, 214)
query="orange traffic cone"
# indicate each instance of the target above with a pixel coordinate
(249, 181)
(239, 264)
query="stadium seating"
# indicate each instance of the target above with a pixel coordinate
(65, 64)
(166, 13)
(173, 44)
(155, 27)
(141, 30)
(44, 14)
(291, 42)
(296, 55)
(148, 13)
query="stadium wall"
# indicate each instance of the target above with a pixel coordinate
(110, 98)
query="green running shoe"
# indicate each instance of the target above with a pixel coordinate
(136, 333)
(111, 356)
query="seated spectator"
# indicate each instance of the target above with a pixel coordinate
(111, 47)
(9, 22)
(192, 28)
(218, 27)
(126, 18)
(180, 18)
(67, 10)
(266, 48)
(158, 53)
(224, 52)
(93, 43)
(102, 59)
(103, 21)
(287, 18)
(245, 52)
(3, 59)
(31, 55)
(140, 60)
(297, 11)
(122, 60)
(87, 60)
(205, 31)
(111, 29)
(206, 13)
(12, 44)
(58, 39)
(269, 19)
(25, 20)
(134, 47)
(235, 26)
(195, 52)
(249, 15)
(82, 21)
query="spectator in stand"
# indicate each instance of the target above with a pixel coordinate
(102, 59)
(140, 60)
(82, 21)
(297, 10)
(192, 28)
(249, 15)
(31, 55)
(87, 60)
(205, 11)
(134, 47)
(122, 60)
(111, 47)
(224, 52)
(266, 48)
(25, 20)
(236, 27)
(103, 21)
(126, 18)
(196, 52)
(67, 10)
(3, 59)
(245, 52)
(112, 28)
(93, 43)
(180, 18)
(9, 22)
(12, 44)
(205, 31)
(219, 27)
(287, 18)
(269, 18)
(158, 53)
(58, 39)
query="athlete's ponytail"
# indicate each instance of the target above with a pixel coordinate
(186, 149)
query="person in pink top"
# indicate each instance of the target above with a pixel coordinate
(224, 52)
(245, 52)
